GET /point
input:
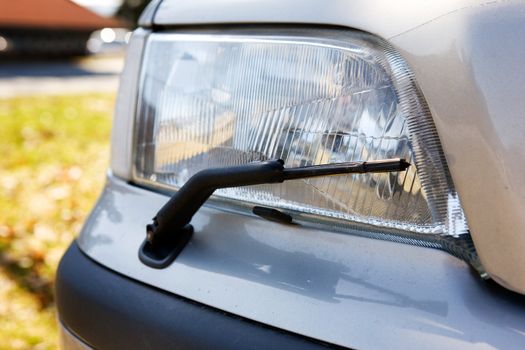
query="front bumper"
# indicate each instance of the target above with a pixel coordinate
(104, 310)
(339, 288)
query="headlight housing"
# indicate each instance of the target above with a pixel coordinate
(209, 99)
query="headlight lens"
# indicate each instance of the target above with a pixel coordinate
(210, 100)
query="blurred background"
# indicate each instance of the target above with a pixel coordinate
(60, 62)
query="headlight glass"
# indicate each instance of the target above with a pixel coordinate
(218, 99)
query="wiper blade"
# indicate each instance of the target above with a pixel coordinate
(374, 166)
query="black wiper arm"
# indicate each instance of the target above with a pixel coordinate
(171, 231)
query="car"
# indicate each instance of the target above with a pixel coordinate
(342, 174)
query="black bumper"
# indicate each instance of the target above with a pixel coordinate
(109, 311)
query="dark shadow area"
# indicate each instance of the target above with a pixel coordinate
(28, 278)
(45, 68)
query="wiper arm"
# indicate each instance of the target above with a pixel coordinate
(171, 230)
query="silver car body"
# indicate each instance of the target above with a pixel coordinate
(341, 288)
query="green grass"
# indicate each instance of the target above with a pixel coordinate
(53, 157)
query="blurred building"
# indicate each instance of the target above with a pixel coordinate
(48, 27)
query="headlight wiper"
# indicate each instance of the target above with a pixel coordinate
(171, 230)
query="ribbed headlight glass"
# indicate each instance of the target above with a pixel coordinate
(218, 99)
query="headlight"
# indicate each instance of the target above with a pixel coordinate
(218, 99)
